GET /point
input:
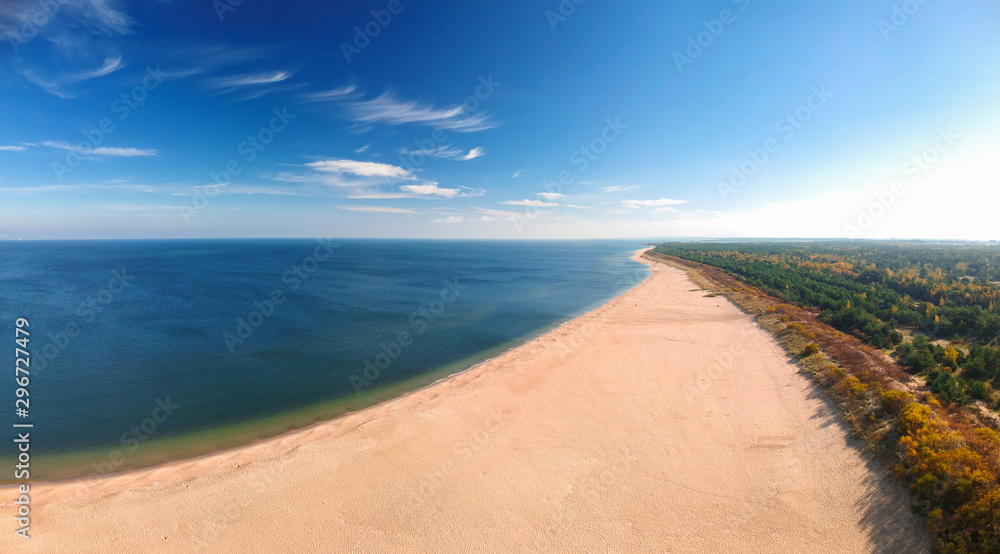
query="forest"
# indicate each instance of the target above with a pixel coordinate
(928, 412)
(931, 305)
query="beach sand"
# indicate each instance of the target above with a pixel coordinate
(663, 421)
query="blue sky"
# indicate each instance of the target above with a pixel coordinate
(869, 119)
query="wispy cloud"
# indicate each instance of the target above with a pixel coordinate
(499, 213)
(449, 219)
(532, 203)
(102, 150)
(188, 58)
(550, 196)
(342, 93)
(378, 209)
(134, 208)
(638, 204)
(110, 66)
(81, 188)
(103, 16)
(619, 188)
(518, 172)
(446, 151)
(443, 151)
(361, 169)
(313, 178)
(363, 149)
(12, 148)
(45, 85)
(54, 86)
(386, 109)
(432, 189)
(254, 79)
(380, 195)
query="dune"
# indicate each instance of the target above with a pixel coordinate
(663, 421)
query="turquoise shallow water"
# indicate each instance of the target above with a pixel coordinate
(144, 351)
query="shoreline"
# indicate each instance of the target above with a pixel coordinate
(89, 479)
(626, 428)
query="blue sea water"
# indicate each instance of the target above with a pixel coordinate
(143, 351)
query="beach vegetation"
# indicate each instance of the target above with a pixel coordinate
(908, 348)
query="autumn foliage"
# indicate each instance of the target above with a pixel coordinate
(946, 454)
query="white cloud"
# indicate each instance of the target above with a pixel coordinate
(102, 150)
(45, 85)
(637, 204)
(501, 214)
(378, 209)
(380, 195)
(361, 169)
(135, 208)
(618, 188)
(550, 195)
(103, 16)
(342, 93)
(12, 148)
(445, 151)
(426, 190)
(187, 58)
(578, 207)
(110, 66)
(474, 153)
(55, 86)
(430, 189)
(451, 219)
(534, 203)
(363, 149)
(253, 190)
(236, 81)
(315, 178)
(386, 109)
(516, 173)
(471, 192)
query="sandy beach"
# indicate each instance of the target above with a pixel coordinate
(664, 421)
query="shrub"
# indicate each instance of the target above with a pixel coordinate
(810, 349)
(893, 401)
(946, 386)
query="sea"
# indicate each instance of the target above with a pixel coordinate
(146, 351)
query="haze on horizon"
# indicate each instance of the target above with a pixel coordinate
(557, 119)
